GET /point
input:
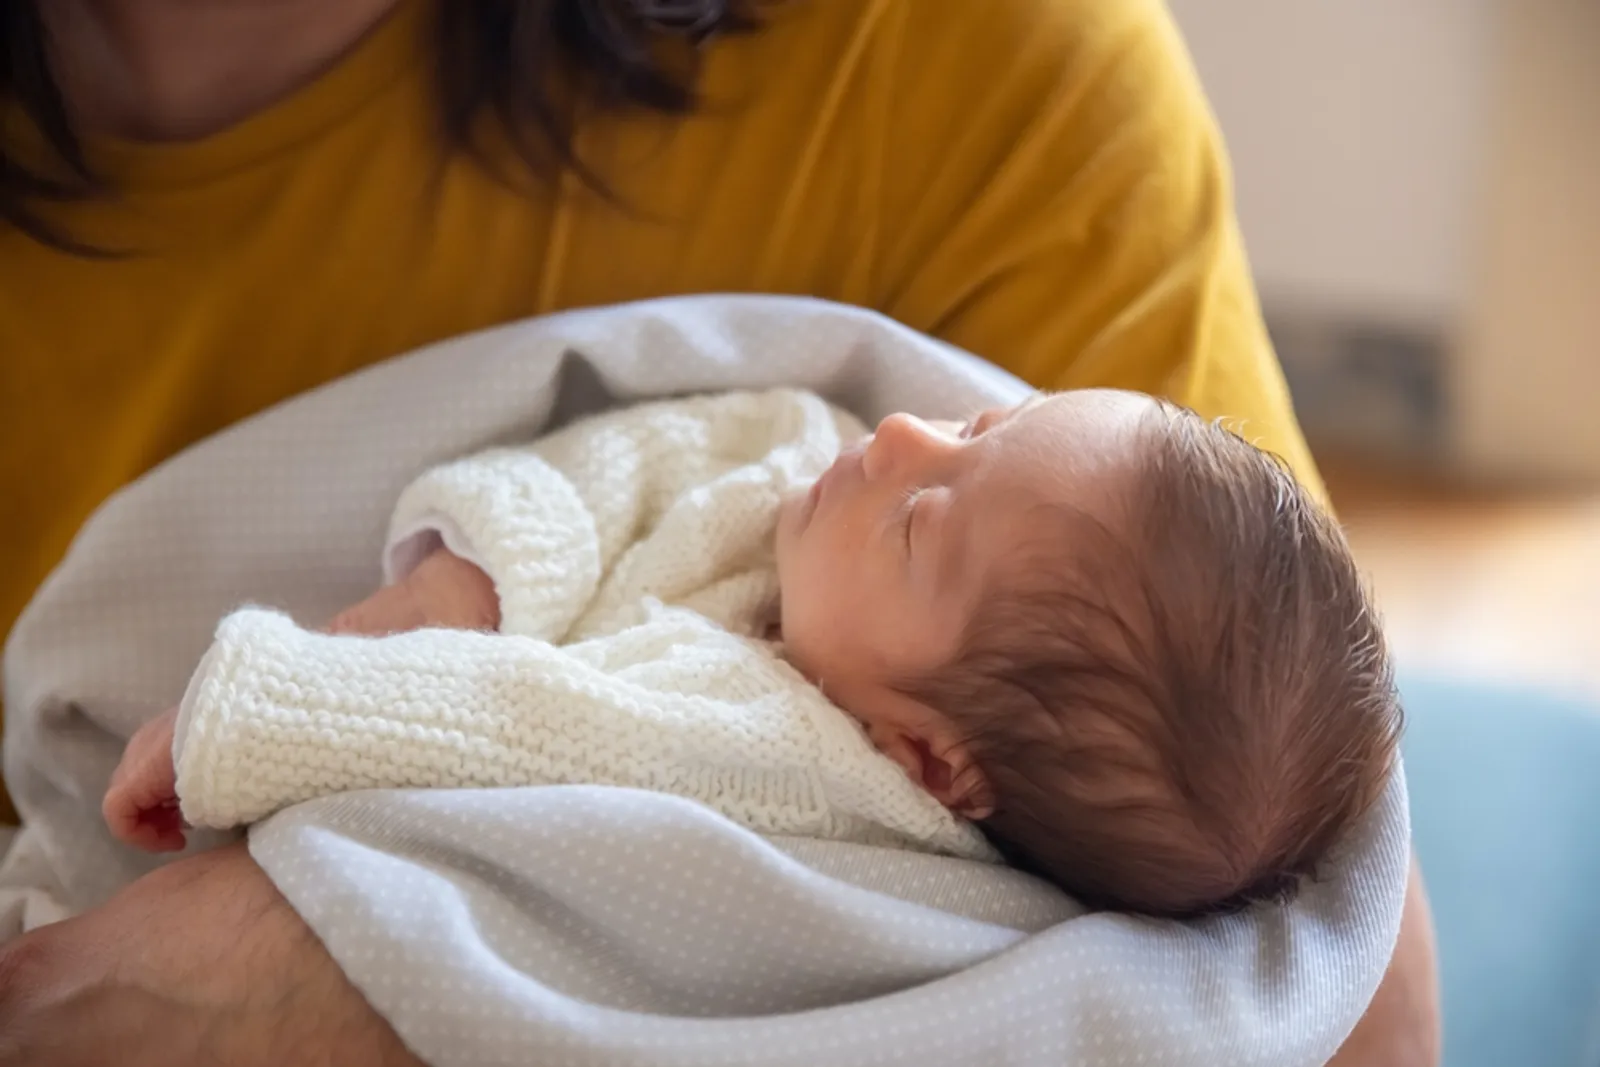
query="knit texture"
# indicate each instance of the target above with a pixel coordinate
(633, 556)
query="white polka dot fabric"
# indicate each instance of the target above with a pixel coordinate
(591, 926)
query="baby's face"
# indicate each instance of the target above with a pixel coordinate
(883, 562)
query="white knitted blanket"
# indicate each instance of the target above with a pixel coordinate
(633, 552)
(588, 925)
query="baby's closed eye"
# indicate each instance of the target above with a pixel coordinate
(908, 514)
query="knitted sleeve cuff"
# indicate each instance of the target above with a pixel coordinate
(276, 715)
(230, 768)
(516, 517)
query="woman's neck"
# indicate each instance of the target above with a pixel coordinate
(177, 70)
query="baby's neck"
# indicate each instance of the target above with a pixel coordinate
(770, 625)
(770, 629)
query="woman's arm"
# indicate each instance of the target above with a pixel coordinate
(1401, 1028)
(201, 962)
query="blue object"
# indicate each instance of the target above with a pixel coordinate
(1505, 802)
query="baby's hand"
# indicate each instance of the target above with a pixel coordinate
(444, 592)
(141, 805)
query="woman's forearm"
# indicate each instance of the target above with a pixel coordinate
(200, 962)
(1401, 1026)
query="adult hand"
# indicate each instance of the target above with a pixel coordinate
(199, 963)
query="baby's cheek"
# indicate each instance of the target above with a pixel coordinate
(816, 633)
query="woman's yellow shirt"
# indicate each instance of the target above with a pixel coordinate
(1038, 181)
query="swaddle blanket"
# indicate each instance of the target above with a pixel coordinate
(590, 925)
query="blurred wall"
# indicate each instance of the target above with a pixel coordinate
(1419, 185)
(1530, 352)
(1357, 132)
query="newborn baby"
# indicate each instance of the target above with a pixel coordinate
(1093, 634)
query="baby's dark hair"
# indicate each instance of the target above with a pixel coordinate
(1182, 708)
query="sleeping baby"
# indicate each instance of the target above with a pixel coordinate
(1092, 635)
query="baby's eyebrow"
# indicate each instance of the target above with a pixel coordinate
(1035, 398)
(997, 415)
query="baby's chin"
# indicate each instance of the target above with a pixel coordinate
(791, 515)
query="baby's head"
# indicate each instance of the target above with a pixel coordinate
(1118, 636)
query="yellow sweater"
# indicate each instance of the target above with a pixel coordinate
(1038, 181)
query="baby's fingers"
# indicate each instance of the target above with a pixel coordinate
(141, 804)
(144, 819)
(156, 829)
(159, 828)
(391, 610)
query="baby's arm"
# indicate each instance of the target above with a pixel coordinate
(618, 495)
(515, 519)
(277, 715)
(141, 803)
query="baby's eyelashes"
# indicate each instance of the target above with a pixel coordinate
(908, 512)
(979, 424)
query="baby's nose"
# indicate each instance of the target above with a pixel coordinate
(905, 445)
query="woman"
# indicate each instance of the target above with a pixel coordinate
(211, 207)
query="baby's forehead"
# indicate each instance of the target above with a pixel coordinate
(1090, 413)
(1067, 466)
(1072, 448)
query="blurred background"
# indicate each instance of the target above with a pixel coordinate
(1419, 186)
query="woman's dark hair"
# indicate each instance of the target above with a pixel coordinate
(512, 61)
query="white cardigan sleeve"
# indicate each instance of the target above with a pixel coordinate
(277, 715)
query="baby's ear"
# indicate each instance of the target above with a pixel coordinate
(937, 758)
(971, 797)
(968, 793)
